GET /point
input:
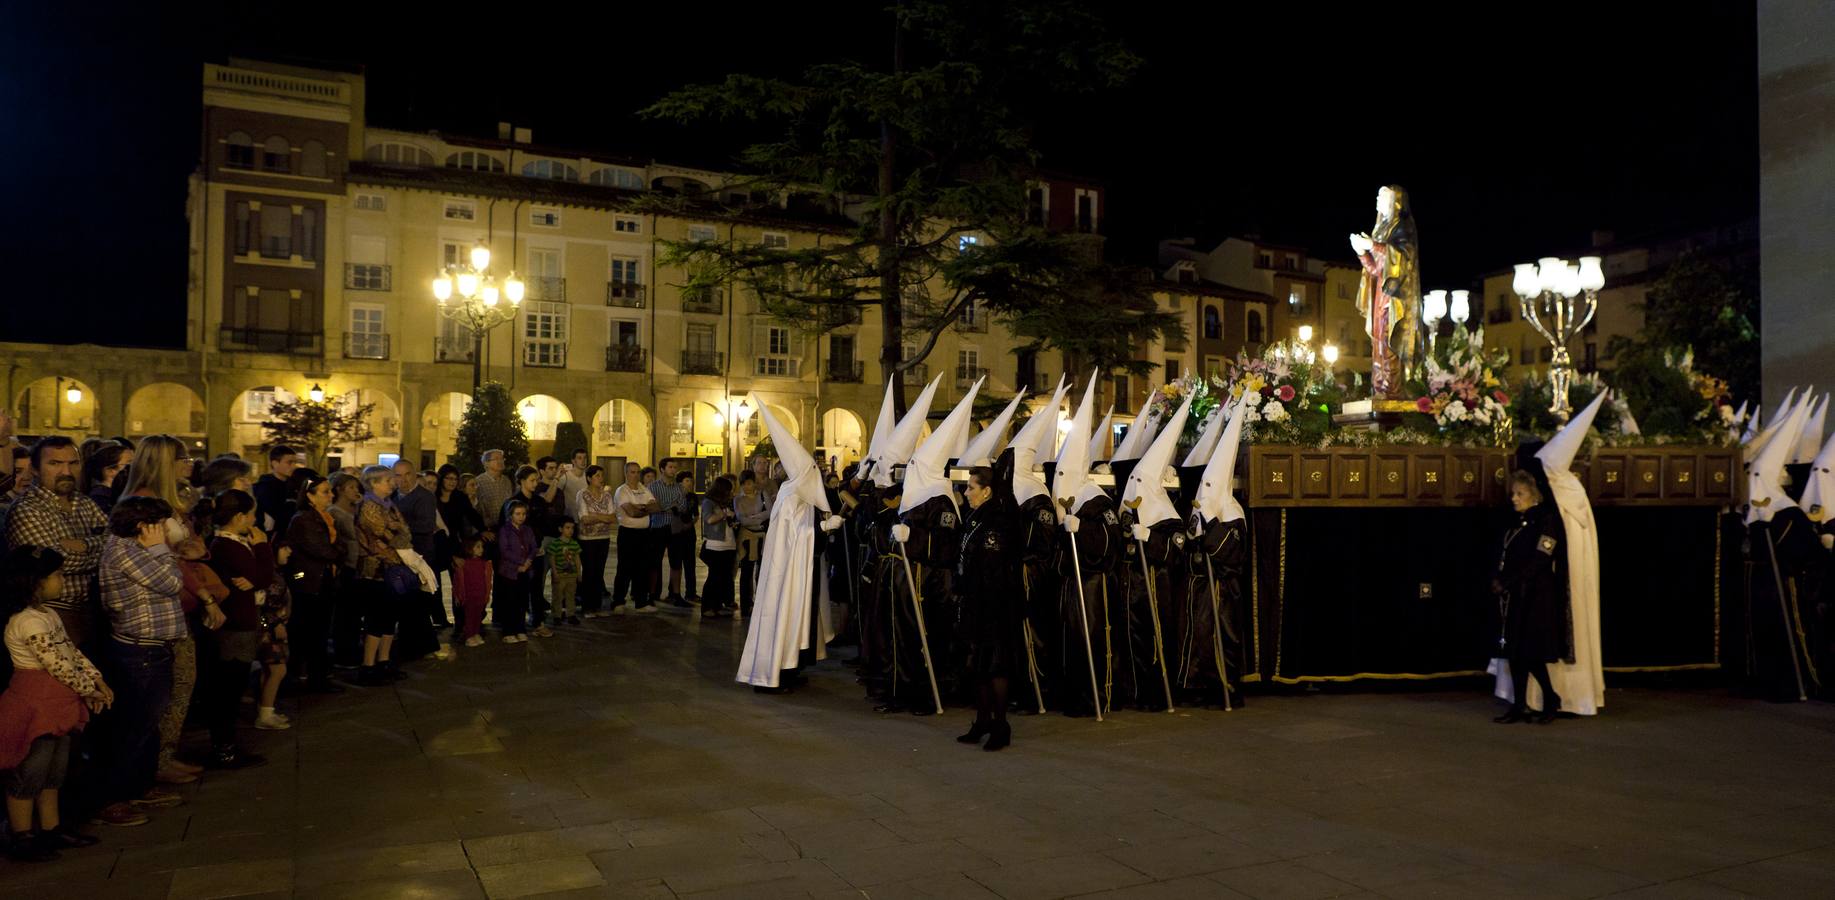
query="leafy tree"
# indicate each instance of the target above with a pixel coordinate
(1700, 305)
(316, 427)
(491, 422)
(921, 167)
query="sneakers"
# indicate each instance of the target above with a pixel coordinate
(542, 631)
(445, 653)
(120, 815)
(476, 640)
(267, 720)
(157, 799)
(516, 639)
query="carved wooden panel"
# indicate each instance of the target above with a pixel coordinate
(1467, 471)
(1315, 476)
(1428, 476)
(1442, 476)
(1351, 475)
(1681, 480)
(1611, 483)
(1391, 472)
(1717, 472)
(1646, 475)
(1275, 481)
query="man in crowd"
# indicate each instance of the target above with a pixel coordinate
(274, 492)
(635, 504)
(669, 498)
(573, 481)
(494, 487)
(682, 541)
(16, 481)
(51, 514)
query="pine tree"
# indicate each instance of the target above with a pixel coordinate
(491, 422)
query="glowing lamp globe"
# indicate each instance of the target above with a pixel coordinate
(1330, 352)
(481, 257)
(1306, 333)
(513, 289)
(1462, 306)
(442, 287)
(316, 394)
(73, 394)
(468, 284)
(1526, 284)
(1551, 271)
(1592, 277)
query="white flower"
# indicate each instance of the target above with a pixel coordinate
(1252, 399)
(1249, 414)
(1274, 412)
(1454, 412)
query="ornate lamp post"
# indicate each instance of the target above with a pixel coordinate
(1558, 300)
(479, 306)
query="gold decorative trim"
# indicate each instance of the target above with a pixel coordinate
(1255, 603)
(1685, 667)
(1717, 540)
(1393, 406)
(1280, 598)
(1378, 676)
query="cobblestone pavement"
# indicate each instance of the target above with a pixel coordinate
(619, 759)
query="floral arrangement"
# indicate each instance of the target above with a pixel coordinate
(1289, 395)
(1673, 403)
(1167, 397)
(1460, 395)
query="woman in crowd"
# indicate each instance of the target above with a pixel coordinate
(381, 576)
(243, 558)
(718, 547)
(753, 512)
(312, 581)
(156, 473)
(1531, 591)
(100, 469)
(598, 516)
(463, 523)
(225, 474)
(53, 690)
(347, 608)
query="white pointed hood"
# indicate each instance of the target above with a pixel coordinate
(801, 476)
(925, 475)
(1756, 445)
(1752, 426)
(1819, 493)
(1146, 490)
(882, 427)
(1216, 500)
(1140, 434)
(1099, 436)
(1764, 481)
(1811, 439)
(1558, 454)
(1070, 481)
(904, 438)
(1207, 438)
(1041, 427)
(981, 450)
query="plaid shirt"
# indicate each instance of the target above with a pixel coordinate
(493, 490)
(140, 587)
(40, 519)
(669, 497)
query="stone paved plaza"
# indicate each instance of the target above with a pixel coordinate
(620, 760)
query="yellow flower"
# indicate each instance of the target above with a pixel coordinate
(1255, 383)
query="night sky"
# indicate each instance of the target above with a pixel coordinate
(1518, 129)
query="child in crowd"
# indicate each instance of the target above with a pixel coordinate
(53, 690)
(516, 551)
(471, 588)
(563, 553)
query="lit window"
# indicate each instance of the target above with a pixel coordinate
(618, 178)
(775, 241)
(552, 169)
(627, 225)
(459, 210)
(967, 242)
(472, 159)
(544, 334)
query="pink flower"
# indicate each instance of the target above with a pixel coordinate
(1285, 393)
(1501, 397)
(1424, 404)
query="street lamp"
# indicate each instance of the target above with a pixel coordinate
(1330, 353)
(479, 305)
(1558, 299)
(74, 394)
(316, 393)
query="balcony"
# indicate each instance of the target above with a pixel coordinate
(777, 367)
(703, 362)
(452, 349)
(625, 358)
(1497, 316)
(846, 371)
(270, 340)
(624, 294)
(273, 247)
(367, 277)
(365, 345)
(973, 322)
(967, 376)
(705, 300)
(547, 287)
(544, 355)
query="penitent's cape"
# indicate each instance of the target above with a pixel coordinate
(788, 587)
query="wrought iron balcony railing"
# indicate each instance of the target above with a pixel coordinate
(705, 300)
(367, 277)
(777, 367)
(547, 287)
(544, 355)
(976, 323)
(452, 350)
(624, 294)
(365, 345)
(625, 358)
(703, 362)
(846, 371)
(270, 340)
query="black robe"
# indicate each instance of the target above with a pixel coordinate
(882, 574)
(1782, 557)
(1212, 659)
(931, 551)
(1036, 543)
(1100, 542)
(1150, 651)
(1531, 590)
(989, 588)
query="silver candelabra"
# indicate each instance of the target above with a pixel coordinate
(1558, 300)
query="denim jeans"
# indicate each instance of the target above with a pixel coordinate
(143, 690)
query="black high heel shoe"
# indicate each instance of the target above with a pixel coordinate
(1002, 736)
(975, 733)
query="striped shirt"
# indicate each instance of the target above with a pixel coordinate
(140, 587)
(40, 519)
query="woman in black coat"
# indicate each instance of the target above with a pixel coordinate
(990, 590)
(1531, 591)
(312, 579)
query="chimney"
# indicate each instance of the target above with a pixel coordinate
(525, 136)
(503, 131)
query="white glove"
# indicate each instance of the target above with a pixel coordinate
(831, 523)
(1142, 532)
(1828, 542)
(901, 532)
(1070, 523)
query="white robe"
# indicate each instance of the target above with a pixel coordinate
(787, 580)
(1582, 683)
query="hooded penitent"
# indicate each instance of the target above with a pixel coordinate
(1819, 493)
(882, 427)
(787, 582)
(1139, 435)
(1216, 500)
(1146, 489)
(904, 438)
(1070, 481)
(1765, 493)
(1758, 441)
(1581, 683)
(1099, 437)
(982, 449)
(1026, 446)
(1811, 439)
(925, 475)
